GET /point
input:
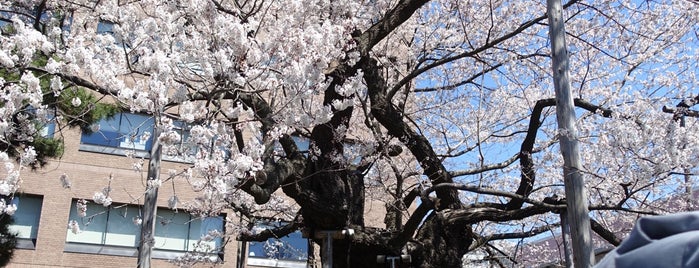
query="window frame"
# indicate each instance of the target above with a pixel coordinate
(26, 242)
(117, 133)
(114, 132)
(103, 247)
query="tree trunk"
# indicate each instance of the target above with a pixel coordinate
(145, 245)
(439, 244)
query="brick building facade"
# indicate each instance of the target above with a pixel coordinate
(50, 243)
(109, 237)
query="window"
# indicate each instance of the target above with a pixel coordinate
(123, 131)
(104, 226)
(114, 231)
(45, 126)
(126, 132)
(48, 130)
(66, 24)
(183, 232)
(105, 27)
(28, 16)
(302, 144)
(182, 151)
(26, 219)
(288, 251)
(4, 19)
(121, 41)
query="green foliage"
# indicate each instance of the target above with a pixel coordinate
(8, 240)
(89, 112)
(9, 76)
(46, 148)
(8, 29)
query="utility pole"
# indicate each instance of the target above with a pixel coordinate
(145, 245)
(576, 201)
(680, 113)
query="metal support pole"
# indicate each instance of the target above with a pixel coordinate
(328, 236)
(328, 250)
(393, 259)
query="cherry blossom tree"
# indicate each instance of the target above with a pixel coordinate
(441, 110)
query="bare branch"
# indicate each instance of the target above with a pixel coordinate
(483, 190)
(471, 53)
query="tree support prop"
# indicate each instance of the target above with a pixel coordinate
(393, 259)
(329, 236)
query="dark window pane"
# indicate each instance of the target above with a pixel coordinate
(26, 218)
(125, 130)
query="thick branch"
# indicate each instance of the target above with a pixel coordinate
(485, 168)
(530, 233)
(604, 233)
(681, 111)
(413, 223)
(526, 150)
(476, 215)
(383, 110)
(526, 161)
(394, 18)
(275, 172)
(682, 108)
(483, 190)
(270, 178)
(534, 231)
(78, 82)
(269, 233)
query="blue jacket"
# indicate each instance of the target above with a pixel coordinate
(658, 241)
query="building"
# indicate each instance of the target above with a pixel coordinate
(51, 198)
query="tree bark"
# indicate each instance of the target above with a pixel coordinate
(147, 239)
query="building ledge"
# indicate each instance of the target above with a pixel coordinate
(136, 153)
(128, 251)
(275, 263)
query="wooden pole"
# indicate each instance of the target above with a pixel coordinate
(578, 217)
